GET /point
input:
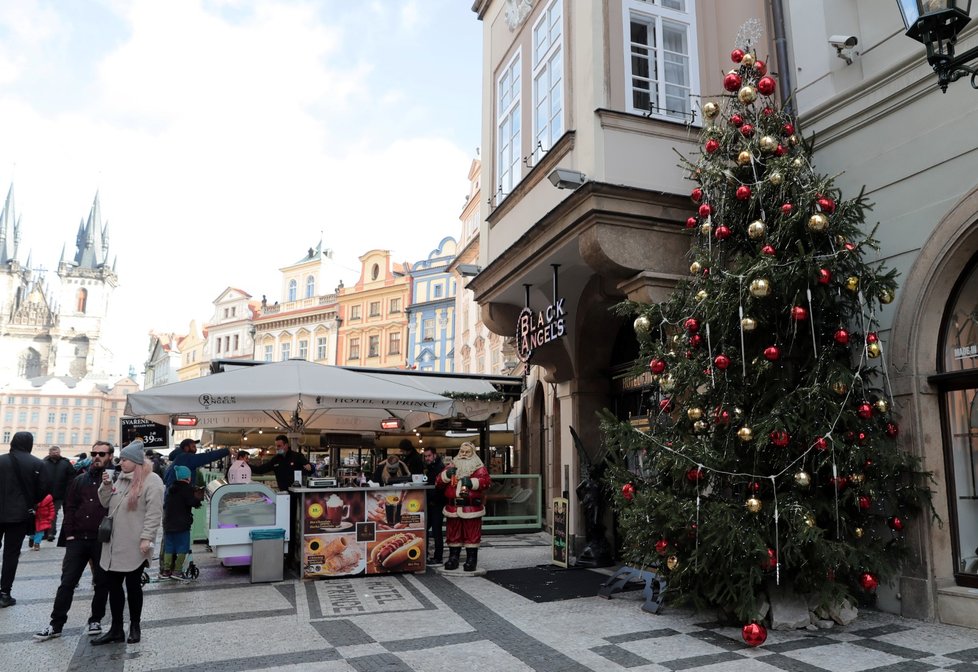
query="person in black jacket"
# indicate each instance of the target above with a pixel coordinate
(177, 520)
(285, 463)
(59, 473)
(83, 514)
(22, 486)
(410, 457)
(435, 504)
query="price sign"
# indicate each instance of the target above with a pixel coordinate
(559, 529)
(152, 434)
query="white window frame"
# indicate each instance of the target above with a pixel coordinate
(548, 78)
(286, 350)
(654, 14)
(304, 349)
(509, 122)
(310, 287)
(293, 289)
(269, 352)
(321, 348)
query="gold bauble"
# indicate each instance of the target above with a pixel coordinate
(886, 296)
(694, 413)
(747, 60)
(760, 287)
(667, 382)
(802, 479)
(747, 95)
(700, 426)
(748, 324)
(852, 283)
(737, 413)
(874, 350)
(701, 295)
(705, 229)
(642, 324)
(818, 222)
(775, 178)
(797, 164)
(857, 479)
(809, 520)
(710, 110)
(840, 388)
(753, 505)
(858, 532)
(767, 143)
(745, 434)
(695, 267)
(672, 562)
(743, 158)
(756, 229)
(882, 406)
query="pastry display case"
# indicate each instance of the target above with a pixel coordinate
(235, 509)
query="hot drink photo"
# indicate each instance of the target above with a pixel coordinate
(336, 510)
(392, 508)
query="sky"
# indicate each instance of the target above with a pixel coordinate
(226, 137)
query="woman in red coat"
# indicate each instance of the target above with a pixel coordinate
(43, 520)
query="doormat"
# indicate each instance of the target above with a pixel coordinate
(549, 583)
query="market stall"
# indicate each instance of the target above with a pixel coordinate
(235, 509)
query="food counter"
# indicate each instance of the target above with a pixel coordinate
(361, 531)
(235, 509)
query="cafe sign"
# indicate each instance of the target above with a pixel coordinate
(537, 328)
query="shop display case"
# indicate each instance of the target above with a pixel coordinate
(235, 509)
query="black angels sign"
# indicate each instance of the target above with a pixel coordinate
(534, 329)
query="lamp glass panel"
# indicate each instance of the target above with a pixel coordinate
(910, 11)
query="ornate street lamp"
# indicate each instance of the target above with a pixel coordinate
(937, 24)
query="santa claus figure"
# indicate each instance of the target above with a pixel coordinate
(464, 483)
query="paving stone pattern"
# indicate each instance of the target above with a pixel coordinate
(433, 623)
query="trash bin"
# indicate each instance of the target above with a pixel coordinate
(267, 554)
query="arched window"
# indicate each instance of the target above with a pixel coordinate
(310, 287)
(81, 300)
(293, 286)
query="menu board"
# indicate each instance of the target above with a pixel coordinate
(559, 530)
(363, 532)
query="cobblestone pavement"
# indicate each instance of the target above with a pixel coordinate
(432, 623)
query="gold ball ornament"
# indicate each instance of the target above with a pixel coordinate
(882, 405)
(701, 295)
(793, 139)
(874, 350)
(747, 60)
(840, 388)
(768, 143)
(667, 382)
(756, 229)
(775, 178)
(760, 287)
(857, 479)
(803, 479)
(753, 505)
(695, 267)
(858, 532)
(797, 164)
(672, 562)
(747, 95)
(748, 324)
(886, 296)
(700, 426)
(852, 283)
(818, 222)
(738, 413)
(809, 520)
(710, 110)
(705, 229)
(743, 158)
(642, 324)
(745, 434)
(694, 413)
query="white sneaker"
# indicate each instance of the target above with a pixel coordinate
(46, 634)
(94, 628)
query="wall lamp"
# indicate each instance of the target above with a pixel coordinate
(565, 178)
(468, 270)
(937, 23)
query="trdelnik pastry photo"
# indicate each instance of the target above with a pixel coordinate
(333, 555)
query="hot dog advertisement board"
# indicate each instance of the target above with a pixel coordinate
(363, 531)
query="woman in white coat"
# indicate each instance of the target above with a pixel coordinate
(135, 503)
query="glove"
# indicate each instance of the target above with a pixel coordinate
(451, 471)
(467, 482)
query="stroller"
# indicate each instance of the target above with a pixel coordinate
(189, 570)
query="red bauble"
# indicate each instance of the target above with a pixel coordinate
(743, 192)
(780, 150)
(772, 353)
(799, 313)
(839, 482)
(694, 475)
(821, 443)
(722, 232)
(747, 130)
(892, 430)
(657, 365)
(754, 634)
(769, 250)
(868, 464)
(721, 417)
(826, 204)
(865, 502)
(861, 438)
(760, 67)
(788, 128)
(767, 111)
(841, 336)
(780, 438)
(869, 582)
(865, 410)
(628, 492)
(732, 82)
(705, 210)
(695, 340)
(849, 247)
(895, 523)
(755, 487)
(721, 361)
(691, 222)
(692, 325)
(712, 145)
(737, 55)
(736, 120)
(765, 85)
(696, 194)
(786, 209)
(665, 405)
(871, 337)
(824, 274)
(662, 546)
(772, 560)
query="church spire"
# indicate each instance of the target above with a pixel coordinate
(9, 229)
(92, 243)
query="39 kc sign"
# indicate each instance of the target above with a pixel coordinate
(536, 329)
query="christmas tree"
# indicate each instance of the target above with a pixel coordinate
(771, 457)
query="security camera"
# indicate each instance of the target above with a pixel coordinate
(841, 42)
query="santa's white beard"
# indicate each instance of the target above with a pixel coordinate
(467, 465)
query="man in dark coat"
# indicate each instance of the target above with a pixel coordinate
(59, 473)
(410, 457)
(435, 504)
(22, 486)
(284, 465)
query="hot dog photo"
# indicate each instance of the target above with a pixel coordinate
(397, 551)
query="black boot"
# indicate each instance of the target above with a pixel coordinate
(113, 635)
(471, 558)
(7, 601)
(133, 633)
(453, 554)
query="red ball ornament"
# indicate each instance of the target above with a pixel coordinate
(772, 353)
(754, 634)
(786, 209)
(841, 336)
(691, 222)
(755, 487)
(780, 438)
(868, 582)
(692, 325)
(849, 247)
(747, 130)
(871, 337)
(737, 55)
(721, 361)
(865, 410)
(657, 365)
(628, 492)
(799, 313)
(780, 151)
(861, 438)
(721, 417)
(868, 464)
(743, 192)
(712, 145)
(736, 120)
(662, 546)
(821, 443)
(695, 340)
(760, 67)
(722, 232)
(895, 523)
(694, 475)
(771, 563)
(705, 210)
(769, 251)
(892, 430)
(826, 204)
(767, 111)
(865, 502)
(824, 275)
(788, 128)
(696, 194)
(732, 82)
(665, 405)
(766, 85)
(839, 482)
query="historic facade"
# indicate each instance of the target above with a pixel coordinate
(431, 313)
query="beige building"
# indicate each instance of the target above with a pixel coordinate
(373, 327)
(230, 332)
(164, 360)
(194, 361)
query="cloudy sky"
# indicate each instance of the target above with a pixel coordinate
(224, 135)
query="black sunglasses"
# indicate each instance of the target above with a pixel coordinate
(97, 453)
